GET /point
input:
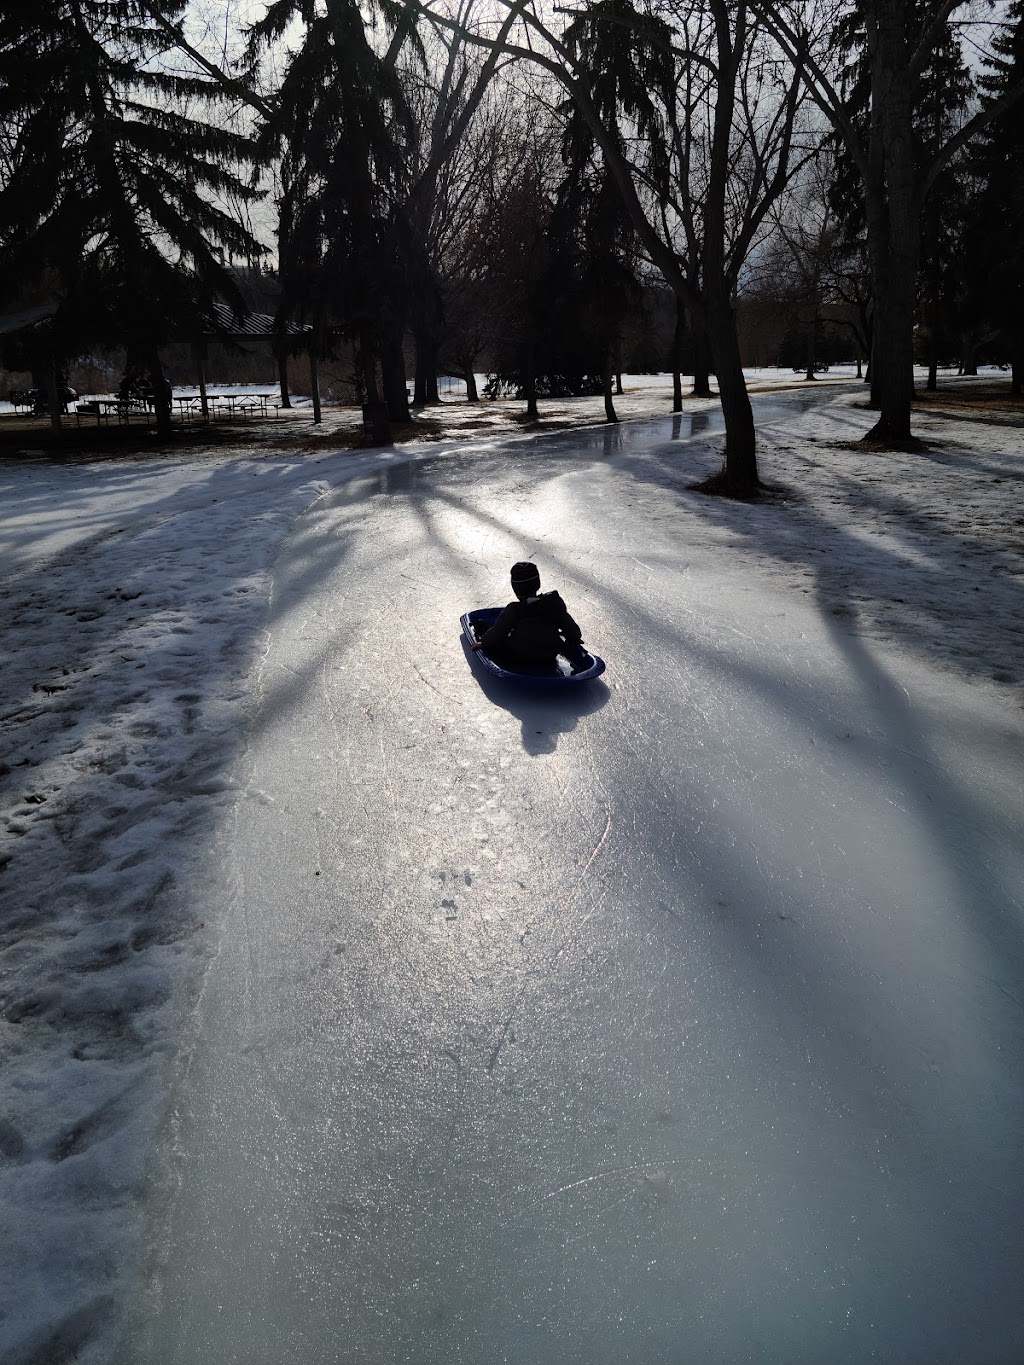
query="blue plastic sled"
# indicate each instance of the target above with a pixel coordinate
(559, 674)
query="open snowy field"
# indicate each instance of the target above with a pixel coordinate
(134, 604)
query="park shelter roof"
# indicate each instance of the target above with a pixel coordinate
(26, 318)
(223, 322)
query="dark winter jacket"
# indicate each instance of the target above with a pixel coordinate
(533, 631)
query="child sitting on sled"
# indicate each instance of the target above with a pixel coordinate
(535, 628)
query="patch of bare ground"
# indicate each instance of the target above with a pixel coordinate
(801, 384)
(27, 438)
(721, 485)
(983, 399)
(887, 445)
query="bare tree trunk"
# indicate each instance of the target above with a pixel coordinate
(677, 357)
(314, 383)
(472, 396)
(282, 379)
(53, 397)
(618, 384)
(893, 222)
(425, 391)
(530, 380)
(701, 364)
(968, 356)
(368, 365)
(606, 384)
(740, 475)
(1017, 369)
(392, 364)
(810, 340)
(933, 353)
(161, 399)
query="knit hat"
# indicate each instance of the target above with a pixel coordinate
(525, 577)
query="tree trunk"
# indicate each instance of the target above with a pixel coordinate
(1017, 365)
(701, 363)
(606, 384)
(427, 318)
(740, 472)
(425, 390)
(53, 397)
(314, 383)
(677, 357)
(472, 396)
(530, 381)
(199, 364)
(282, 379)
(368, 365)
(618, 384)
(893, 214)
(392, 364)
(811, 338)
(933, 354)
(161, 398)
(968, 356)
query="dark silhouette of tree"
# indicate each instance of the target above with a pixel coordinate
(342, 127)
(995, 252)
(900, 37)
(732, 172)
(944, 93)
(111, 198)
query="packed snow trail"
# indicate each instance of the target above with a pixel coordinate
(677, 1020)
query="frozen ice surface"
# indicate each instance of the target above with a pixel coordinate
(679, 1020)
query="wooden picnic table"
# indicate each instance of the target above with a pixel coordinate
(246, 404)
(103, 408)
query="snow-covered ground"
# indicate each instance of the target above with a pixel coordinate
(134, 604)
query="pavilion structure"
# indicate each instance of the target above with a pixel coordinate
(34, 328)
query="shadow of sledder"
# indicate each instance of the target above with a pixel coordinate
(543, 715)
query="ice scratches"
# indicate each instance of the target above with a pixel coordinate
(590, 861)
(555, 950)
(492, 1061)
(60, 1341)
(648, 1176)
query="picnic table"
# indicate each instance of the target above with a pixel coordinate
(245, 404)
(105, 408)
(228, 405)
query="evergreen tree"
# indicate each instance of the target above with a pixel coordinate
(996, 256)
(343, 127)
(900, 38)
(940, 97)
(110, 203)
(589, 285)
(943, 94)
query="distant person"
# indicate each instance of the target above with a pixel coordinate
(534, 629)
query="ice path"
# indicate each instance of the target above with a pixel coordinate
(677, 1020)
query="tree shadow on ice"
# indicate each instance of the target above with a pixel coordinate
(918, 577)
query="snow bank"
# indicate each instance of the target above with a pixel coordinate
(132, 603)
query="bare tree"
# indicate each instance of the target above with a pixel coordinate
(700, 141)
(900, 37)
